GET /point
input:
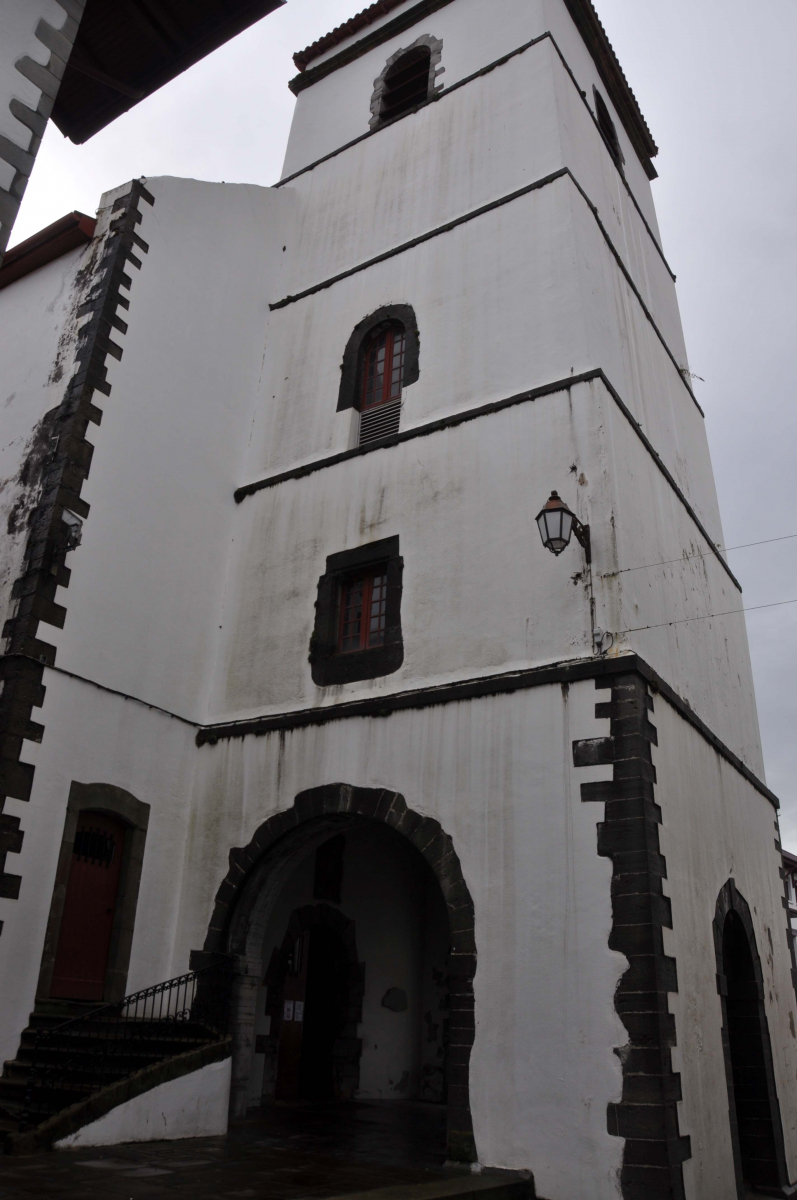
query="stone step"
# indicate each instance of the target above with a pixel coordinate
(489, 1185)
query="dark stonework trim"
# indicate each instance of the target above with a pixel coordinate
(731, 900)
(85, 1112)
(499, 62)
(484, 410)
(647, 1115)
(60, 469)
(572, 671)
(100, 797)
(335, 806)
(328, 666)
(480, 212)
(47, 78)
(588, 25)
(351, 368)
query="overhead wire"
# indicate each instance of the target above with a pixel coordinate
(699, 554)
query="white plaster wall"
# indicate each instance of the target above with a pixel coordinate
(194, 1106)
(336, 109)
(38, 334)
(716, 827)
(493, 322)
(507, 129)
(149, 576)
(92, 736)
(479, 592)
(497, 773)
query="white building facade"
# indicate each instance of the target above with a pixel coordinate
(296, 634)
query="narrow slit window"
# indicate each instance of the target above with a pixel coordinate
(363, 609)
(608, 128)
(406, 83)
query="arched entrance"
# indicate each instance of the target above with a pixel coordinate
(255, 909)
(756, 1131)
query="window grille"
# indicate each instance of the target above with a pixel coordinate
(94, 845)
(363, 610)
(406, 83)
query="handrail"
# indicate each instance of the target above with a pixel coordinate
(80, 1056)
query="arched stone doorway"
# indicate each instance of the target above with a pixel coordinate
(247, 902)
(754, 1111)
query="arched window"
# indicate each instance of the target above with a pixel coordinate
(608, 128)
(409, 79)
(382, 357)
(381, 379)
(406, 83)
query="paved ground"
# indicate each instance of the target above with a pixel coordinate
(279, 1154)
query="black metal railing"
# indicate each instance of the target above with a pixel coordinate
(72, 1060)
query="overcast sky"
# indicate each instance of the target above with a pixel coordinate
(714, 79)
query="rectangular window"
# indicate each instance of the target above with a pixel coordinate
(363, 607)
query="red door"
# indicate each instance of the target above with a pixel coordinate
(87, 921)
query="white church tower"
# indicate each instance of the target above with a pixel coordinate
(471, 823)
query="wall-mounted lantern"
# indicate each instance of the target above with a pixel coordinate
(557, 524)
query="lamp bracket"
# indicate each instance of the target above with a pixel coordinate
(583, 536)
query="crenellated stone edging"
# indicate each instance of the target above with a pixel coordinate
(56, 468)
(47, 78)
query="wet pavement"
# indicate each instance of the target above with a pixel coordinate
(275, 1154)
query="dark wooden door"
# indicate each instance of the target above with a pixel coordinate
(87, 922)
(292, 1025)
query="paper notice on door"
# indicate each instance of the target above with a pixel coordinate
(298, 1010)
(287, 1012)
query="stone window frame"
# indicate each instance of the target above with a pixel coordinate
(350, 391)
(330, 667)
(435, 46)
(115, 802)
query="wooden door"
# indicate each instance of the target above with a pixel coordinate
(84, 941)
(289, 1062)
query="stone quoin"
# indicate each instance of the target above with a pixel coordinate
(291, 686)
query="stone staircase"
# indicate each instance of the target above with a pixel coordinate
(73, 1050)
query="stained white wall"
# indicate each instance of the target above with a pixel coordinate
(716, 827)
(38, 335)
(144, 600)
(498, 775)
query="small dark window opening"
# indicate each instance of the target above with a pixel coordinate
(752, 1102)
(608, 128)
(357, 631)
(406, 83)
